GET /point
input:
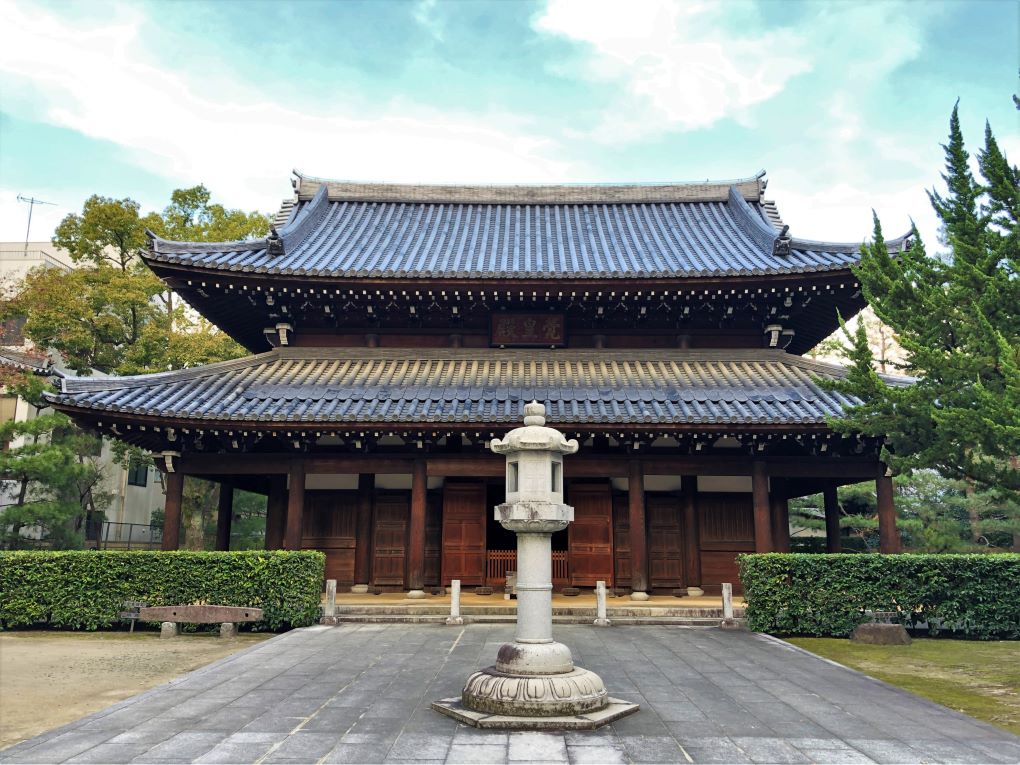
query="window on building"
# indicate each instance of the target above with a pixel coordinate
(138, 473)
(511, 476)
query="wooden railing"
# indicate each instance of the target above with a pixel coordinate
(501, 561)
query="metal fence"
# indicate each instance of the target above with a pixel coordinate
(127, 536)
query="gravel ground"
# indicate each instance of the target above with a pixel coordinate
(50, 678)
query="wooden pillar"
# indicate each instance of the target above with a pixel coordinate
(833, 542)
(416, 541)
(760, 498)
(780, 518)
(638, 529)
(888, 534)
(692, 535)
(295, 505)
(224, 515)
(276, 512)
(172, 510)
(363, 542)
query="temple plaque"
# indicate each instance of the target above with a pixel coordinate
(528, 330)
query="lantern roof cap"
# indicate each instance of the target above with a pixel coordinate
(534, 436)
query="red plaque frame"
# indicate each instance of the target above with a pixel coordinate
(527, 330)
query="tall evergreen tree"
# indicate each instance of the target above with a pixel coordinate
(957, 317)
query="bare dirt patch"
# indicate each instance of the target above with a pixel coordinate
(48, 679)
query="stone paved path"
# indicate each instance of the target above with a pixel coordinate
(361, 693)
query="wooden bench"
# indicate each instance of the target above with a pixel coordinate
(227, 616)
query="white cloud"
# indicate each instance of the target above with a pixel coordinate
(680, 64)
(98, 80)
(687, 64)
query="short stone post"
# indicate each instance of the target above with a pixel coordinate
(455, 617)
(601, 619)
(329, 610)
(728, 622)
(168, 630)
(228, 630)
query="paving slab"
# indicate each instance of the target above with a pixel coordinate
(362, 693)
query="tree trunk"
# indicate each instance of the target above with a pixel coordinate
(973, 517)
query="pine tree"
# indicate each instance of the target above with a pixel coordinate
(957, 317)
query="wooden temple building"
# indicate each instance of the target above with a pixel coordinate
(396, 329)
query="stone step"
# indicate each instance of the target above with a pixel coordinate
(510, 611)
(677, 621)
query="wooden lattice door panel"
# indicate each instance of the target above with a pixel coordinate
(590, 536)
(433, 539)
(665, 540)
(392, 512)
(726, 523)
(330, 525)
(464, 517)
(621, 540)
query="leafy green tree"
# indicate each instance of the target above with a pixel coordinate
(112, 313)
(106, 233)
(957, 317)
(192, 217)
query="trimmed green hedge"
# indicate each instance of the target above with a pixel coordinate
(972, 596)
(86, 589)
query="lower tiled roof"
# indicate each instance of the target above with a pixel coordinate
(345, 385)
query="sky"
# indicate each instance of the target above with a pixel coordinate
(844, 104)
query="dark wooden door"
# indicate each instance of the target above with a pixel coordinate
(621, 540)
(433, 538)
(590, 540)
(464, 508)
(330, 525)
(727, 529)
(665, 541)
(390, 538)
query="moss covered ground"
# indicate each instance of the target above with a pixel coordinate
(980, 679)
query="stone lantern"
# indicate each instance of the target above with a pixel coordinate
(534, 684)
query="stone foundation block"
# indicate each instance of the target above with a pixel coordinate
(570, 592)
(168, 630)
(228, 630)
(483, 590)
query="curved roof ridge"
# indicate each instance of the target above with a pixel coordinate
(899, 244)
(158, 245)
(751, 188)
(751, 223)
(88, 384)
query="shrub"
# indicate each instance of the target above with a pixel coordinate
(973, 596)
(87, 589)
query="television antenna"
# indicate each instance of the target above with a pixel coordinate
(32, 202)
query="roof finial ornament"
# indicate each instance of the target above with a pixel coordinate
(781, 246)
(274, 242)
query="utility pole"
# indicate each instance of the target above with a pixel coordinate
(32, 202)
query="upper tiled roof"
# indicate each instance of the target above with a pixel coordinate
(352, 230)
(29, 361)
(382, 386)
